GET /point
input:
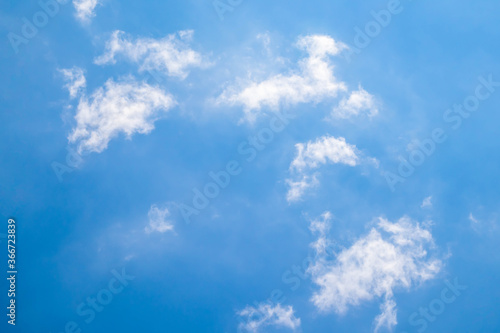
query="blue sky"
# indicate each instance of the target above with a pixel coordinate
(115, 113)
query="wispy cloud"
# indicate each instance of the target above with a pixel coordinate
(171, 55)
(268, 315)
(158, 220)
(427, 203)
(311, 155)
(75, 80)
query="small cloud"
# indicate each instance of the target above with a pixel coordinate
(158, 220)
(359, 102)
(427, 203)
(85, 9)
(312, 155)
(75, 80)
(267, 315)
(473, 219)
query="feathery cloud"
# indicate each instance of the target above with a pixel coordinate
(170, 55)
(158, 221)
(268, 315)
(311, 155)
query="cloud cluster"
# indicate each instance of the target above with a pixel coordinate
(392, 256)
(126, 107)
(268, 315)
(311, 155)
(170, 55)
(313, 81)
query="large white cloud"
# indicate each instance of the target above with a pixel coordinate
(313, 154)
(268, 315)
(127, 107)
(85, 9)
(171, 54)
(312, 81)
(392, 256)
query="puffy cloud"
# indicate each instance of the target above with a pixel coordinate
(127, 107)
(313, 81)
(358, 102)
(268, 315)
(311, 155)
(391, 256)
(325, 149)
(158, 220)
(85, 9)
(171, 54)
(76, 82)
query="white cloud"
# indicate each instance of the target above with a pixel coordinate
(473, 219)
(311, 155)
(268, 315)
(313, 81)
(75, 79)
(325, 149)
(85, 9)
(171, 54)
(393, 256)
(127, 107)
(427, 203)
(299, 187)
(388, 316)
(158, 220)
(359, 101)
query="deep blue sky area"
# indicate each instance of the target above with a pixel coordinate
(102, 180)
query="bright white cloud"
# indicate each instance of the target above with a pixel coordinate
(126, 107)
(75, 80)
(325, 149)
(313, 81)
(158, 221)
(171, 54)
(359, 102)
(311, 155)
(268, 315)
(85, 9)
(427, 203)
(393, 256)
